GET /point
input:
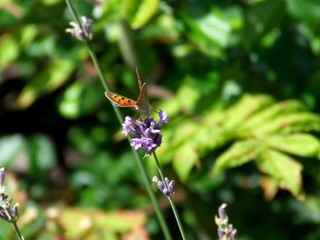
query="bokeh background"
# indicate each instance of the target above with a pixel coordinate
(240, 81)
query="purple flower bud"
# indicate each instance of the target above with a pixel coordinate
(222, 211)
(3, 215)
(159, 183)
(221, 234)
(146, 132)
(167, 191)
(14, 211)
(171, 187)
(78, 32)
(86, 24)
(163, 118)
(1, 176)
(234, 234)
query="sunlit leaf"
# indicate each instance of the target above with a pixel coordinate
(283, 169)
(9, 49)
(184, 160)
(28, 34)
(52, 77)
(270, 112)
(238, 154)
(79, 99)
(188, 95)
(245, 108)
(139, 13)
(210, 33)
(289, 123)
(299, 144)
(80, 221)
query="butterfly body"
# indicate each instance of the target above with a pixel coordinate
(142, 105)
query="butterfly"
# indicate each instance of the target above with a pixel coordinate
(141, 106)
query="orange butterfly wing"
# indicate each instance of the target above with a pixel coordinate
(141, 105)
(121, 101)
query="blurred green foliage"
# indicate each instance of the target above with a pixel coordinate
(239, 80)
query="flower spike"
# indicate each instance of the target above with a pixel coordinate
(78, 32)
(166, 188)
(146, 132)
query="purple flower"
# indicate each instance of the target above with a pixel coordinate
(233, 234)
(166, 188)
(1, 176)
(222, 211)
(7, 211)
(225, 229)
(145, 133)
(78, 32)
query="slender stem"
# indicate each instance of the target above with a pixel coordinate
(170, 198)
(138, 158)
(154, 201)
(14, 223)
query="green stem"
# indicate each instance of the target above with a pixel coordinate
(138, 158)
(14, 223)
(170, 198)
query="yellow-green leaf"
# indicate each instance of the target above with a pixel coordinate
(9, 49)
(290, 123)
(184, 160)
(282, 168)
(299, 144)
(138, 13)
(52, 77)
(248, 105)
(238, 154)
(73, 220)
(270, 112)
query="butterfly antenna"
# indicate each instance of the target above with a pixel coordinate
(139, 79)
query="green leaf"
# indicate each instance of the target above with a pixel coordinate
(259, 20)
(52, 77)
(283, 169)
(209, 138)
(270, 112)
(289, 123)
(79, 99)
(11, 147)
(211, 32)
(188, 95)
(184, 160)
(138, 13)
(42, 154)
(244, 108)
(303, 145)
(9, 49)
(239, 153)
(304, 10)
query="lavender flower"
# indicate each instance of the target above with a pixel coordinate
(146, 133)
(78, 32)
(225, 230)
(7, 212)
(166, 188)
(1, 176)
